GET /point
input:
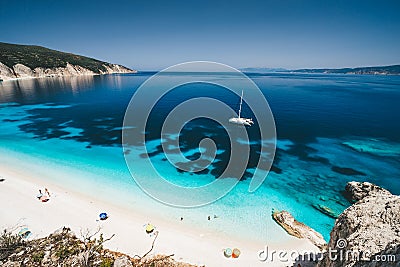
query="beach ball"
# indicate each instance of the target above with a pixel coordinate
(228, 252)
(235, 253)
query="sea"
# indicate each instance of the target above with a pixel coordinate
(330, 129)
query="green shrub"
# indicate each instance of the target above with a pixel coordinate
(9, 242)
(65, 251)
(38, 257)
(107, 262)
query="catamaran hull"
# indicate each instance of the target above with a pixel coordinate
(240, 121)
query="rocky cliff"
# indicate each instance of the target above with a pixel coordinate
(22, 71)
(368, 232)
(31, 61)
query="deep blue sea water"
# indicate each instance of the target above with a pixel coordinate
(331, 129)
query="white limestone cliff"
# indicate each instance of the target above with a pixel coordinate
(21, 71)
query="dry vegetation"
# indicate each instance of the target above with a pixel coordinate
(63, 248)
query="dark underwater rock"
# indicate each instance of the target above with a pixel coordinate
(326, 210)
(347, 171)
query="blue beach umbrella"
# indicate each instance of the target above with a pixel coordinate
(103, 216)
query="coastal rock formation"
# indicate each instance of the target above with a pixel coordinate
(5, 71)
(298, 229)
(22, 71)
(32, 61)
(356, 191)
(114, 68)
(367, 232)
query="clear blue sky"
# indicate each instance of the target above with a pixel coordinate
(155, 34)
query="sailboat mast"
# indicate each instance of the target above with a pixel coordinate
(240, 107)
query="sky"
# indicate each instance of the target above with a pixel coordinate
(152, 35)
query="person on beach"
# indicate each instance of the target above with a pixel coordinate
(47, 192)
(40, 195)
(44, 199)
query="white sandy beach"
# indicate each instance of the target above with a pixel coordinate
(65, 208)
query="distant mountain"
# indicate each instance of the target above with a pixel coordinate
(30, 61)
(378, 70)
(262, 70)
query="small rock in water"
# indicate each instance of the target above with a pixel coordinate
(326, 210)
(272, 185)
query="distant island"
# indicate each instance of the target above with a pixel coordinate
(377, 70)
(31, 61)
(263, 70)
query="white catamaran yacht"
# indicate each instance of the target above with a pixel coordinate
(239, 120)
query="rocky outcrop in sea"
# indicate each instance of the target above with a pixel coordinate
(22, 71)
(298, 229)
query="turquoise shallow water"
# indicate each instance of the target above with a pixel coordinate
(331, 129)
